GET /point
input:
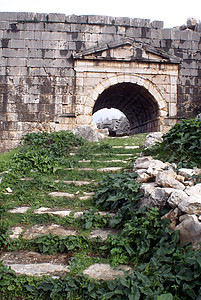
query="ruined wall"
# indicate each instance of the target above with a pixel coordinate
(37, 75)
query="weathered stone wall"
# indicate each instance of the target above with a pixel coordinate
(37, 75)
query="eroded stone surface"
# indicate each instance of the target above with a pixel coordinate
(61, 194)
(59, 212)
(15, 232)
(19, 210)
(77, 183)
(191, 205)
(39, 269)
(54, 229)
(110, 169)
(102, 233)
(35, 264)
(105, 271)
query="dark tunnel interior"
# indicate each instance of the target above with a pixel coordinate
(138, 105)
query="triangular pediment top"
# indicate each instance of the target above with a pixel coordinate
(127, 49)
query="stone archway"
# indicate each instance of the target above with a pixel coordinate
(144, 108)
(149, 80)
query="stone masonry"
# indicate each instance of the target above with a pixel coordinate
(57, 70)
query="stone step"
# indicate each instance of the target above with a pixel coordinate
(19, 210)
(104, 161)
(46, 229)
(125, 147)
(36, 264)
(110, 169)
(76, 182)
(105, 271)
(56, 229)
(102, 233)
(61, 194)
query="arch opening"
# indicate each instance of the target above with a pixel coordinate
(135, 102)
(112, 119)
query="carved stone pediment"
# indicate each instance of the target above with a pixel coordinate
(127, 50)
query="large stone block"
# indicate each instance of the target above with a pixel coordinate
(25, 16)
(157, 24)
(140, 22)
(77, 19)
(8, 16)
(59, 18)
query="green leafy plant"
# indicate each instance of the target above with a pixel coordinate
(92, 219)
(182, 144)
(44, 152)
(119, 193)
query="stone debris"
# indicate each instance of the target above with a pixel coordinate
(87, 133)
(153, 138)
(116, 127)
(164, 187)
(105, 271)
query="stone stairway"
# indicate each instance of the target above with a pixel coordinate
(36, 264)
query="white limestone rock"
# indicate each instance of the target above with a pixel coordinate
(147, 188)
(143, 177)
(142, 162)
(39, 269)
(176, 197)
(191, 205)
(167, 179)
(194, 190)
(104, 271)
(19, 210)
(87, 133)
(186, 172)
(153, 138)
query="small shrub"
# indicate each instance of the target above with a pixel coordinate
(44, 151)
(182, 144)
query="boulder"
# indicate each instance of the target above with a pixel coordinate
(158, 198)
(191, 205)
(194, 190)
(186, 172)
(143, 177)
(176, 197)
(152, 166)
(153, 138)
(167, 179)
(191, 23)
(147, 188)
(87, 133)
(190, 230)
